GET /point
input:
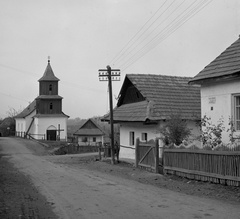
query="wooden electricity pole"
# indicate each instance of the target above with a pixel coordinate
(110, 75)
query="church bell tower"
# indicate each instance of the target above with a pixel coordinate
(48, 101)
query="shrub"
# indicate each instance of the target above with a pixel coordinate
(175, 130)
(211, 134)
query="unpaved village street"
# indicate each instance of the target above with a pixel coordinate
(81, 193)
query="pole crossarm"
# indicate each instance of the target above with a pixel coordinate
(103, 74)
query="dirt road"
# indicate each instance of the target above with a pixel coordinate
(81, 193)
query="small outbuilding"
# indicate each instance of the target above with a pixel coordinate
(89, 133)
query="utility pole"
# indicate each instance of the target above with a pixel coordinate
(110, 75)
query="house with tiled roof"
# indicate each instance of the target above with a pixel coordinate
(147, 101)
(89, 133)
(7, 127)
(220, 90)
(43, 118)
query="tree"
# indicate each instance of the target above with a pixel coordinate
(175, 130)
(13, 112)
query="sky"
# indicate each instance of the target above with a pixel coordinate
(173, 37)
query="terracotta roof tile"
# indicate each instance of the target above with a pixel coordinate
(227, 63)
(90, 128)
(164, 96)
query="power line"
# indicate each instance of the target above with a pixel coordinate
(165, 33)
(149, 34)
(166, 29)
(14, 97)
(65, 83)
(155, 38)
(119, 54)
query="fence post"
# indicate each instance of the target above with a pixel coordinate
(157, 156)
(161, 154)
(99, 150)
(137, 152)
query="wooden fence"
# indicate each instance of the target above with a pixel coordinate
(215, 166)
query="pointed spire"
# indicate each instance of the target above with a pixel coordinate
(48, 74)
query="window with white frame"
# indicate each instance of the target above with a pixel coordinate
(237, 112)
(131, 138)
(144, 137)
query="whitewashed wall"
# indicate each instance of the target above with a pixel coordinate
(138, 128)
(20, 125)
(42, 124)
(217, 102)
(89, 140)
(128, 151)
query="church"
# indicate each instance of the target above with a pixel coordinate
(43, 119)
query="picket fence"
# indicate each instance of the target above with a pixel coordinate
(215, 166)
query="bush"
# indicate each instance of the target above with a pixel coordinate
(175, 131)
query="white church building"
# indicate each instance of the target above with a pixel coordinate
(43, 118)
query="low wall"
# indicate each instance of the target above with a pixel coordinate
(75, 149)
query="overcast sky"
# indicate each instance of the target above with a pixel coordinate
(81, 36)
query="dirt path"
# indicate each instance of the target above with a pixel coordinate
(82, 193)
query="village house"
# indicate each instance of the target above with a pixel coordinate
(43, 118)
(147, 101)
(89, 133)
(220, 91)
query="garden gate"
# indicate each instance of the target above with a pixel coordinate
(147, 155)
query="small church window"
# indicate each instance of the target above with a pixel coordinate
(50, 87)
(51, 106)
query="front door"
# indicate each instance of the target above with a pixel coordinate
(51, 135)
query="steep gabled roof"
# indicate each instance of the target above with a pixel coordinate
(89, 128)
(27, 111)
(48, 74)
(226, 64)
(162, 96)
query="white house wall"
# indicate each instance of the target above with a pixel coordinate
(216, 102)
(42, 124)
(90, 140)
(127, 150)
(153, 132)
(20, 126)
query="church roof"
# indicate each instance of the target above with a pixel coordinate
(27, 111)
(48, 74)
(51, 115)
(49, 97)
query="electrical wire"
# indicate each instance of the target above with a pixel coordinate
(168, 30)
(119, 54)
(65, 83)
(162, 31)
(163, 38)
(149, 34)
